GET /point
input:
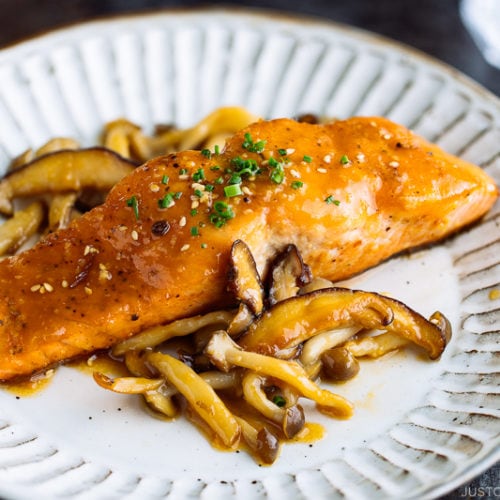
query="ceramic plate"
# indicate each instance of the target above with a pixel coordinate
(421, 428)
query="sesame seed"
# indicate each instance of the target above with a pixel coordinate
(154, 187)
(197, 185)
(35, 288)
(184, 247)
(360, 157)
(327, 158)
(294, 173)
(184, 177)
(290, 151)
(42, 289)
(64, 284)
(134, 235)
(104, 274)
(88, 290)
(246, 190)
(90, 249)
(122, 228)
(195, 204)
(48, 287)
(394, 164)
(182, 221)
(322, 170)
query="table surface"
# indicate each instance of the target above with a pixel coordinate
(432, 26)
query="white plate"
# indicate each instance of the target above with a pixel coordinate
(421, 428)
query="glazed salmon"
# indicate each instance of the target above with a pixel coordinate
(348, 194)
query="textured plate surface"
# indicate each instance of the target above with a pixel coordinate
(420, 428)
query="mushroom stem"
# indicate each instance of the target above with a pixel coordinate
(182, 327)
(316, 346)
(225, 353)
(262, 441)
(201, 397)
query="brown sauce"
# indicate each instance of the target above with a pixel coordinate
(29, 387)
(100, 362)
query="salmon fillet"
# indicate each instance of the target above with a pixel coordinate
(349, 194)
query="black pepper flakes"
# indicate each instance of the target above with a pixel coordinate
(160, 228)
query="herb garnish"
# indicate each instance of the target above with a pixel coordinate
(277, 174)
(253, 147)
(167, 201)
(297, 184)
(199, 175)
(132, 202)
(344, 160)
(279, 401)
(232, 190)
(221, 214)
(331, 200)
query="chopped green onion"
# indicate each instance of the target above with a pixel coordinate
(177, 195)
(209, 188)
(278, 175)
(183, 171)
(166, 201)
(216, 149)
(215, 167)
(219, 180)
(307, 159)
(253, 147)
(279, 401)
(193, 212)
(297, 184)
(331, 200)
(282, 152)
(206, 153)
(195, 231)
(199, 175)
(164, 179)
(235, 179)
(242, 166)
(132, 202)
(232, 190)
(345, 160)
(221, 214)
(203, 245)
(198, 192)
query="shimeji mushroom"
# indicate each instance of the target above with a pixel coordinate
(200, 396)
(290, 417)
(128, 385)
(313, 349)
(263, 443)
(225, 354)
(158, 334)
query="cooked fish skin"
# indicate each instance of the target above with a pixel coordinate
(353, 193)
